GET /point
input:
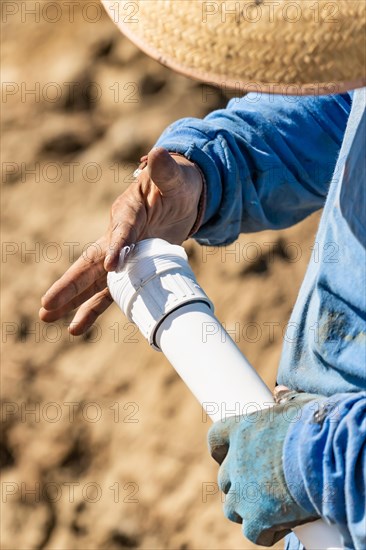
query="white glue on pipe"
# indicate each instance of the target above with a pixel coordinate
(157, 290)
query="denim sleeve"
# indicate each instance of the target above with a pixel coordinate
(267, 160)
(324, 462)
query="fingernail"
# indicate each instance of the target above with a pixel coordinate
(137, 172)
(125, 251)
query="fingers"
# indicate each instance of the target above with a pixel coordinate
(121, 235)
(219, 438)
(164, 171)
(232, 502)
(127, 221)
(224, 478)
(89, 312)
(78, 278)
(55, 314)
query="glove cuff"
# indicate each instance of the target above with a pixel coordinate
(296, 441)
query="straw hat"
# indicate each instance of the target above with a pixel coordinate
(294, 47)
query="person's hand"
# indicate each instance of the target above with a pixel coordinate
(162, 202)
(249, 449)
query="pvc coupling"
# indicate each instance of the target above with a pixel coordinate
(154, 280)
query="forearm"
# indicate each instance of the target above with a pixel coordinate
(267, 163)
(325, 463)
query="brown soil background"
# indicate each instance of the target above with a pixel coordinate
(129, 468)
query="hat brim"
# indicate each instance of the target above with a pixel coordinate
(317, 53)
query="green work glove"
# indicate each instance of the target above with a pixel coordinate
(249, 449)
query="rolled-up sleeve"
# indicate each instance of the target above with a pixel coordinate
(325, 463)
(267, 160)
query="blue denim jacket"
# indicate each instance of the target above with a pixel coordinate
(270, 161)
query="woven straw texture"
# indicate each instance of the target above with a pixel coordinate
(281, 45)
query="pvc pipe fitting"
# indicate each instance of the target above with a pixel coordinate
(156, 280)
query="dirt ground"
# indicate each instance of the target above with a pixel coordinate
(103, 446)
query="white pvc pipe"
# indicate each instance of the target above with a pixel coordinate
(210, 363)
(158, 291)
(225, 384)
